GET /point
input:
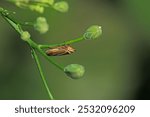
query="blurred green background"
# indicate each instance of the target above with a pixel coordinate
(117, 64)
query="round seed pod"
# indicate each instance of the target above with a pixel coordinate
(37, 8)
(25, 35)
(61, 6)
(41, 25)
(93, 32)
(74, 71)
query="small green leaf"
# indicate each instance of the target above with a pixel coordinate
(93, 32)
(75, 71)
(61, 6)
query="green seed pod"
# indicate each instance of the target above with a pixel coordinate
(61, 6)
(93, 32)
(37, 8)
(41, 25)
(75, 71)
(25, 35)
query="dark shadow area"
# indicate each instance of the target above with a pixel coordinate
(143, 64)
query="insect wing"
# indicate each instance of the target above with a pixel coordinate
(59, 51)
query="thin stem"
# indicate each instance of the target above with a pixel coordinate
(74, 41)
(41, 73)
(50, 59)
(34, 45)
(27, 24)
(18, 28)
(61, 44)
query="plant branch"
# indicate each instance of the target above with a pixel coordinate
(41, 73)
(34, 46)
(61, 44)
(50, 59)
(13, 23)
(31, 43)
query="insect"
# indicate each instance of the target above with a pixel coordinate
(60, 50)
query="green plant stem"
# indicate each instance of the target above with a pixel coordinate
(34, 46)
(50, 59)
(41, 73)
(18, 28)
(64, 43)
(14, 24)
(27, 24)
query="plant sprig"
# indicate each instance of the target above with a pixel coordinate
(74, 71)
(41, 73)
(40, 5)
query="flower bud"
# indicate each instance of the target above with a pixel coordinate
(93, 32)
(25, 35)
(61, 6)
(41, 25)
(75, 71)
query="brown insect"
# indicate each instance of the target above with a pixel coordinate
(60, 50)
